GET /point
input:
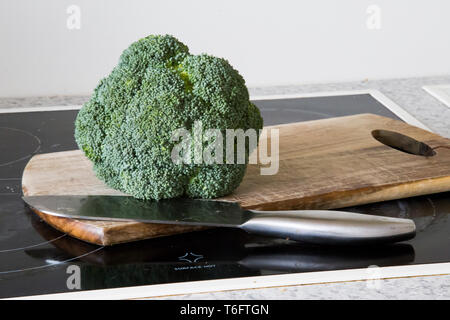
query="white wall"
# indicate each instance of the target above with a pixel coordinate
(270, 42)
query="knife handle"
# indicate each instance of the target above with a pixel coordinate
(329, 227)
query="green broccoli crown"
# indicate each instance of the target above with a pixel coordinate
(157, 87)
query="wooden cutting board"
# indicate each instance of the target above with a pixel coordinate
(324, 164)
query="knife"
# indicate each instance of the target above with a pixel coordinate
(312, 226)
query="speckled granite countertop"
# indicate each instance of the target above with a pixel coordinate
(418, 288)
(407, 93)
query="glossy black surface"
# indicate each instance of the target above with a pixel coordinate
(34, 258)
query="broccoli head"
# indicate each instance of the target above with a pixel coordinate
(125, 129)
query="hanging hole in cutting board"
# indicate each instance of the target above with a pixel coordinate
(403, 143)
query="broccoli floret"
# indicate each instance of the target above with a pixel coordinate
(157, 87)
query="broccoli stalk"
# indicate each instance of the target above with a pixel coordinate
(157, 87)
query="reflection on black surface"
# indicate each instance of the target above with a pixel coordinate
(423, 210)
(219, 253)
(298, 258)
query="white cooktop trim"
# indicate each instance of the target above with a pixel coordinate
(440, 92)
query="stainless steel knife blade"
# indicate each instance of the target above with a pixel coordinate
(123, 208)
(314, 226)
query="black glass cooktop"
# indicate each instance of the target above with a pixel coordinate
(37, 259)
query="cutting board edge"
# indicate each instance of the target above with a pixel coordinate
(371, 195)
(110, 236)
(90, 233)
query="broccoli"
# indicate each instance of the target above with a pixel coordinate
(157, 87)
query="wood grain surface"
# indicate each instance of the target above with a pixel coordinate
(331, 163)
